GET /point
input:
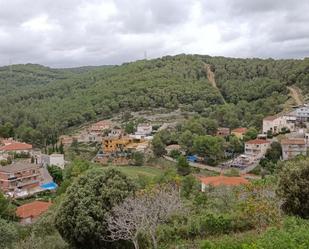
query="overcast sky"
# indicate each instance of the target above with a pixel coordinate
(67, 33)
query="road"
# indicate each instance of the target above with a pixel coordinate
(215, 169)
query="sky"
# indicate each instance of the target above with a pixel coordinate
(70, 33)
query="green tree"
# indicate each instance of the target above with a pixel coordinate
(293, 187)
(61, 148)
(8, 233)
(189, 185)
(186, 140)
(209, 147)
(56, 173)
(274, 153)
(80, 219)
(251, 133)
(138, 158)
(129, 127)
(7, 210)
(183, 167)
(158, 146)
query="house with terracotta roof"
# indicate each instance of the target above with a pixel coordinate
(11, 146)
(215, 181)
(239, 132)
(30, 212)
(277, 123)
(293, 147)
(256, 148)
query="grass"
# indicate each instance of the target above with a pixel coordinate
(135, 171)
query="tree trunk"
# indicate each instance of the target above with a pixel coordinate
(154, 241)
(135, 242)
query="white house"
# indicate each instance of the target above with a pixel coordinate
(256, 148)
(275, 124)
(144, 129)
(53, 159)
(302, 113)
(293, 147)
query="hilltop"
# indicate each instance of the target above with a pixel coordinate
(39, 103)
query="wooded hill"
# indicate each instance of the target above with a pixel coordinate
(39, 103)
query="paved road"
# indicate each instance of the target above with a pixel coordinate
(215, 169)
(198, 165)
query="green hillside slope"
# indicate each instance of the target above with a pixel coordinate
(39, 102)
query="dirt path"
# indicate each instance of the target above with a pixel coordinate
(211, 77)
(296, 95)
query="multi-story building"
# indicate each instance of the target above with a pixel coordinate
(293, 147)
(256, 148)
(19, 176)
(302, 113)
(276, 124)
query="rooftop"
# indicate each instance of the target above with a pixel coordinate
(270, 118)
(294, 141)
(33, 209)
(16, 146)
(19, 166)
(240, 130)
(258, 141)
(224, 180)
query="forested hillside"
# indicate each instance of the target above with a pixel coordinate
(39, 103)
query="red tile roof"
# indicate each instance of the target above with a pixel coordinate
(293, 141)
(16, 146)
(224, 180)
(240, 130)
(257, 141)
(33, 209)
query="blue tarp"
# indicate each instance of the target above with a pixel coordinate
(49, 186)
(192, 158)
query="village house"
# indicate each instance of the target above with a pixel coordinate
(12, 146)
(101, 126)
(19, 176)
(223, 132)
(292, 148)
(53, 159)
(239, 132)
(256, 148)
(221, 180)
(276, 124)
(301, 113)
(30, 212)
(23, 179)
(144, 129)
(89, 137)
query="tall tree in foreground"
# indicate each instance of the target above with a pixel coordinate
(143, 213)
(293, 187)
(81, 217)
(183, 167)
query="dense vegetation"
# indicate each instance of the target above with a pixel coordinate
(250, 216)
(39, 103)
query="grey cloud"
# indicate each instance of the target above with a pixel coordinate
(93, 32)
